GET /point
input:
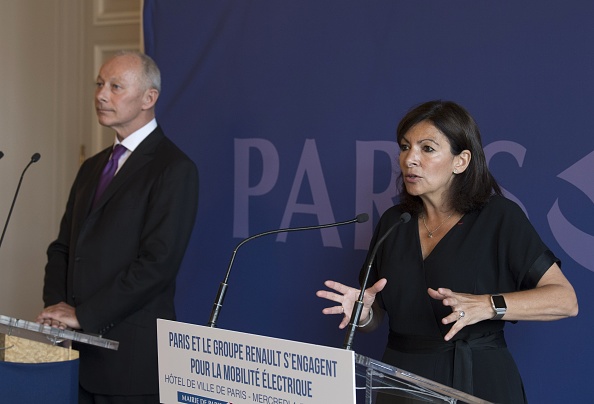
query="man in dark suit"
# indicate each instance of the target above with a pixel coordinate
(112, 269)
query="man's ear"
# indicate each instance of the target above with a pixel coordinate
(150, 98)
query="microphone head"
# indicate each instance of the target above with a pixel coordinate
(405, 217)
(362, 217)
(1, 154)
(35, 158)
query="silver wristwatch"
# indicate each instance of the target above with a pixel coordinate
(499, 306)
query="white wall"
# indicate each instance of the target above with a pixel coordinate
(47, 69)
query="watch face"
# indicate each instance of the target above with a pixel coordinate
(499, 301)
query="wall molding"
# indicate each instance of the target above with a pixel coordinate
(116, 12)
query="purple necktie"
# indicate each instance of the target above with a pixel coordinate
(109, 171)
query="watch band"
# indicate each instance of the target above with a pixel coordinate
(499, 306)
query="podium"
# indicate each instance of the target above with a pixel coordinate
(205, 365)
(388, 380)
(37, 363)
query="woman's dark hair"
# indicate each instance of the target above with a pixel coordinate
(471, 189)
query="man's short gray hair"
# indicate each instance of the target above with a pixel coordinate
(151, 75)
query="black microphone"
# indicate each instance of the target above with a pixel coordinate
(358, 307)
(1, 154)
(34, 158)
(218, 304)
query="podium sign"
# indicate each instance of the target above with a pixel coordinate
(204, 365)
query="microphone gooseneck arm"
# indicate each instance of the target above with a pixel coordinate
(34, 158)
(358, 306)
(218, 304)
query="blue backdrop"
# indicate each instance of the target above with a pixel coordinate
(289, 109)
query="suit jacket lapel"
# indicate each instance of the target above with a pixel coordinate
(88, 187)
(143, 154)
